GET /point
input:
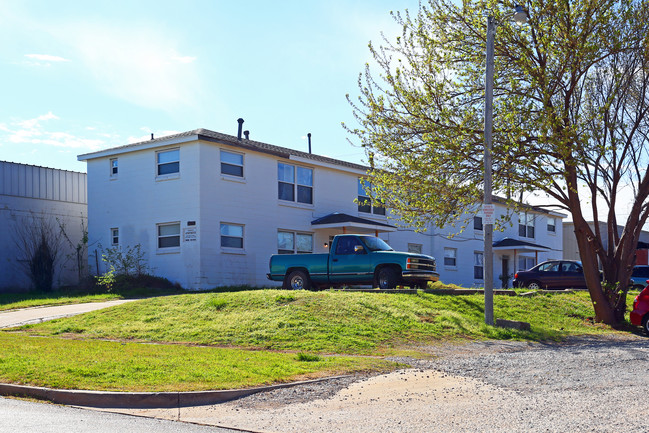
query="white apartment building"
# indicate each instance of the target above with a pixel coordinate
(29, 193)
(209, 209)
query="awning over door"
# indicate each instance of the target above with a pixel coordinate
(348, 223)
(516, 244)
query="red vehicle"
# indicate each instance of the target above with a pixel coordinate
(640, 313)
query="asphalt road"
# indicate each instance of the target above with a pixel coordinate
(26, 416)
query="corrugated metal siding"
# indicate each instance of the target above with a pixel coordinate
(30, 181)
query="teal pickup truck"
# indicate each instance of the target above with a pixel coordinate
(353, 260)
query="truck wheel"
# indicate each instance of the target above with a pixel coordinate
(298, 280)
(387, 279)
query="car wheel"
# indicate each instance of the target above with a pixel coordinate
(298, 280)
(645, 324)
(534, 285)
(387, 279)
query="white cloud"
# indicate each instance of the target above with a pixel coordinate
(138, 63)
(46, 58)
(34, 132)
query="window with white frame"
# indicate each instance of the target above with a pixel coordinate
(552, 228)
(525, 263)
(450, 256)
(231, 163)
(477, 223)
(295, 183)
(114, 167)
(294, 242)
(526, 225)
(168, 162)
(231, 235)
(478, 265)
(114, 237)
(169, 235)
(415, 248)
(365, 202)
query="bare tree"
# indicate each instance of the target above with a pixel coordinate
(39, 242)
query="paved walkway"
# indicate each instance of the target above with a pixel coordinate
(26, 316)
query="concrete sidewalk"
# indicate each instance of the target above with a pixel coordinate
(26, 316)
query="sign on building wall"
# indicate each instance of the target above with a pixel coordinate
(190, 234)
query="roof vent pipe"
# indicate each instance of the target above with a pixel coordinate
(309, 136)
(240, 120)
(247, 134)
(152, 136)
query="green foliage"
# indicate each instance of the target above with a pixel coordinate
(129, 261)
(571, 104)
(306, 357)
(107, 279)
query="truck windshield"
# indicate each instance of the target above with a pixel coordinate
(375, 244)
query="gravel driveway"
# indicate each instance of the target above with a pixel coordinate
(595, 384)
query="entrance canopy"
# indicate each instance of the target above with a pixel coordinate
(349, 223)
(515, 244)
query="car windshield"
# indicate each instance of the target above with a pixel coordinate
(375, 244)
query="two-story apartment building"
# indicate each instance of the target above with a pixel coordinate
(209, 209)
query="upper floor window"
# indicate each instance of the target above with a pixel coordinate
(168, 235)
(552, 228)
(231, 163)
(114, 237)
(477, 223)
(295, 183)
(168, 162)
(365, 203)
(231, 235)
(291, 242)
(450, 257)
(526, 225)
(114, 168)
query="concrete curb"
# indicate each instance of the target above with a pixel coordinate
(138, 400)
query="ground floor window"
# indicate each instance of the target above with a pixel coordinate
(294, 242)
(478, 266)
(231, 235)
(450, 257)
(525, 263)
(414, 248)
(114, 237)
(168, 235)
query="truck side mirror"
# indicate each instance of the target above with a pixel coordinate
(359, 249)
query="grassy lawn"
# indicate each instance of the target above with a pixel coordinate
(13, 301)
(247, 338)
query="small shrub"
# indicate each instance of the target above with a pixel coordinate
(217, 303)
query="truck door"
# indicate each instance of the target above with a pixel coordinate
(350, 262)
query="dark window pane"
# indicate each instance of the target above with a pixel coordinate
(530, 231)
(521, 230)
(169, 242)
(477, 272)
(172, 167)
(305, 194)
(379, 210)
(449, 261)
(231, 242)
(285, 191)
(477, 223)
(364, 204)
(233, 170)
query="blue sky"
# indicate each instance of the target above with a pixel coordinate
(79, 76)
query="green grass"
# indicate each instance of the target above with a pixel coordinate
(326, 322)
(240, 339)
(12, 301)
(115, 366)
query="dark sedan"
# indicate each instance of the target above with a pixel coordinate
(553, 274)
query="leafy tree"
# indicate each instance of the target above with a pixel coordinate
(570, 120)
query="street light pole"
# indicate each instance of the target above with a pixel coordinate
(520, 16)
(487, 262)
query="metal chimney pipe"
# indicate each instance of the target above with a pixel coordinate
(152, 136)
(240, 120)
(247, 134)
(309, 135)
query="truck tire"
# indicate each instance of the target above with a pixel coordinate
(387, 279)
(297, 280)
